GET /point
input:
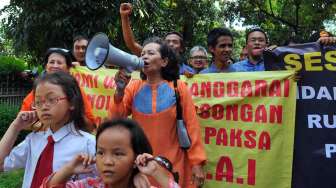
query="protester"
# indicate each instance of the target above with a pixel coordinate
(220, 43)
(198, 58)
(59, 106)
(78, 49)
(174, 39)
(151, 101)
(58, 59)
(256, 42)
(122, 151)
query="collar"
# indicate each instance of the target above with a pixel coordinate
(215, 68)
(252, 64)
(62, 132)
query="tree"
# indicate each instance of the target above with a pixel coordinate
(35, 25)
(283, 18)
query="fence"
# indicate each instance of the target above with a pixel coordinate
(13, 89)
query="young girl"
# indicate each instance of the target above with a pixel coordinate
(59, 106)
(120, 147)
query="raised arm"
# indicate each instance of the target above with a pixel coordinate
(79, 165)
(125, 12)
(23, 120)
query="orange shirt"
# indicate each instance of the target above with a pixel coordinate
(153, 107)
(28, 100)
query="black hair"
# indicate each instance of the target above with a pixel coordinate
(171, 71)
(80, 37)
(64, 52)
(181, 38)
(214, 34)
(139, 141)
(73, 93)
(249, 31)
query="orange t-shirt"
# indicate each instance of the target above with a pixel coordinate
(153, 106)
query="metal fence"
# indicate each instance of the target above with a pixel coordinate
(13, 89)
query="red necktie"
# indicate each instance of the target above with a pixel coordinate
(44, 166)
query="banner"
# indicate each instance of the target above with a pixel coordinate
(99, 86)
(315, 135)
(247, 123)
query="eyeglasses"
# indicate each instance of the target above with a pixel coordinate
(50, 101)
(200, 58)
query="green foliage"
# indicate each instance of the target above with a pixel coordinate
(11, 179)
(36, 25)
(8, 114)
(282, 19)
(9, 64)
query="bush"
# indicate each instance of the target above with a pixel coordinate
(10, 65)
(7, 115)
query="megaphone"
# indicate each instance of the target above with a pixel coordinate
(100, 52)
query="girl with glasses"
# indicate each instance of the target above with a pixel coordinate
(58, 105)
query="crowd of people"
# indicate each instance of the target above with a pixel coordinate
(61, 150)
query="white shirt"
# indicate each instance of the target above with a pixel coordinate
(68, 143)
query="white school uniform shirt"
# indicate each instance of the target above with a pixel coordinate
(68, 144)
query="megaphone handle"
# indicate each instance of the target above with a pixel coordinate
(121, 84)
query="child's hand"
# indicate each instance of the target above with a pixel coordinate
(24, 119)
(146, 164)
(81, 164)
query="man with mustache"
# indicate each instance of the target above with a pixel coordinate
(256, 42)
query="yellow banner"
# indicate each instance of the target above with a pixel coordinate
(247, 123)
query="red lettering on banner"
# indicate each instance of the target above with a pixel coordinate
(232, 111)
(286, 88)
(260, 114)
(251, 172)
(194, 89)
(264, 141)
(224, 169)
(275, 89)
(77, 76)
(246, 113)
(218, 89)
(91, 99)
(109, 82)
(222, 137)
(232, 88)
(204, 111)
(206, 89)
(250, 141)
(217, 111)
(100, 102)
(246, 89)
(260, 88)
(237, 138)
(276, 114)
(209, 132)
(89, 81)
